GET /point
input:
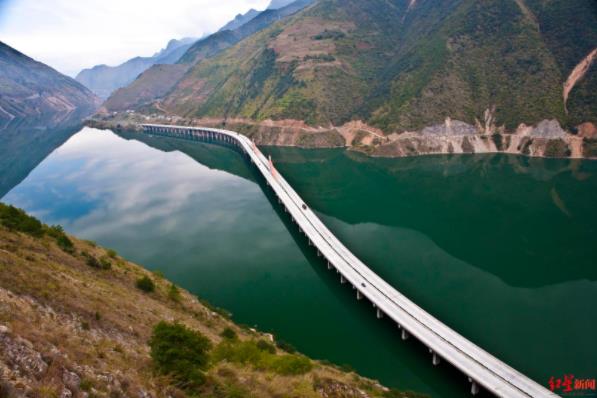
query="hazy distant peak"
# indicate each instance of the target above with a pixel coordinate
(276, 4)
(103, 79)
(174, 44)
(240, 20)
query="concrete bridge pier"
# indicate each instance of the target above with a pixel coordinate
(404, 334)
(359, 295)
(379, 314)
(434, 358)
(342, 280)
(474, 387)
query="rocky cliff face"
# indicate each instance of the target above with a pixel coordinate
(31, 89)
(545, 139)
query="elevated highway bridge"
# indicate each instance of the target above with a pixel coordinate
(482, 368)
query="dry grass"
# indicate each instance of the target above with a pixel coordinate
(94, 323)
(297, 42)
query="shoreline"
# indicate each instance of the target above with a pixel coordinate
(545, 140)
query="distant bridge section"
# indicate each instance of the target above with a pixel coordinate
(482, 368)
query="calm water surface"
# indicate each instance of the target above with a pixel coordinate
(500, 248)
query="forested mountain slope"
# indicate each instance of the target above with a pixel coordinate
(403, 65)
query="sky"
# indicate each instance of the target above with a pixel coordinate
(70, 35)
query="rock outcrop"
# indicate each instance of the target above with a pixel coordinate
(546, 139)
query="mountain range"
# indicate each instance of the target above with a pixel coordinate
(30, 89)
(398, 65)
(104, 79)
(240, 20)
(277, 4)
(160, 79)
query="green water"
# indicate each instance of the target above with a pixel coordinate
(500, 248)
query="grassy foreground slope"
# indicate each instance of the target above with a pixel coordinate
(403, 65)
(77, 320)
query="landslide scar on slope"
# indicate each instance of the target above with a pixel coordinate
(577, 74)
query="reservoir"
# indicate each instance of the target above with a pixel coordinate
(500, 248)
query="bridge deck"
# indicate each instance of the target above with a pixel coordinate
(480, 366)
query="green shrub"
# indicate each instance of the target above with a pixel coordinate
(180, 353)
(242, 352)
(290, 365)
(17, 220)
(174, 293)
(63, 241)
(284, 346)
(105, 263)
(229, 334)
(249, 352)
(320, 57)
(329, 34)
(55, 231)
(145, 284)
(111, 253)
(265, 346)
(557, 149)
(93, 262)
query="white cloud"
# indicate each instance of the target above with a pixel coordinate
(73, 34)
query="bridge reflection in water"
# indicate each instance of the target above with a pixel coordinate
(482, 368)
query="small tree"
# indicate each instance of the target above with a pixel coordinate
(145, 284)
(105, 262)
(180, 353)
(174, 293)
(91, 261)
(266, 346)
(228, 334)
(65, 243)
